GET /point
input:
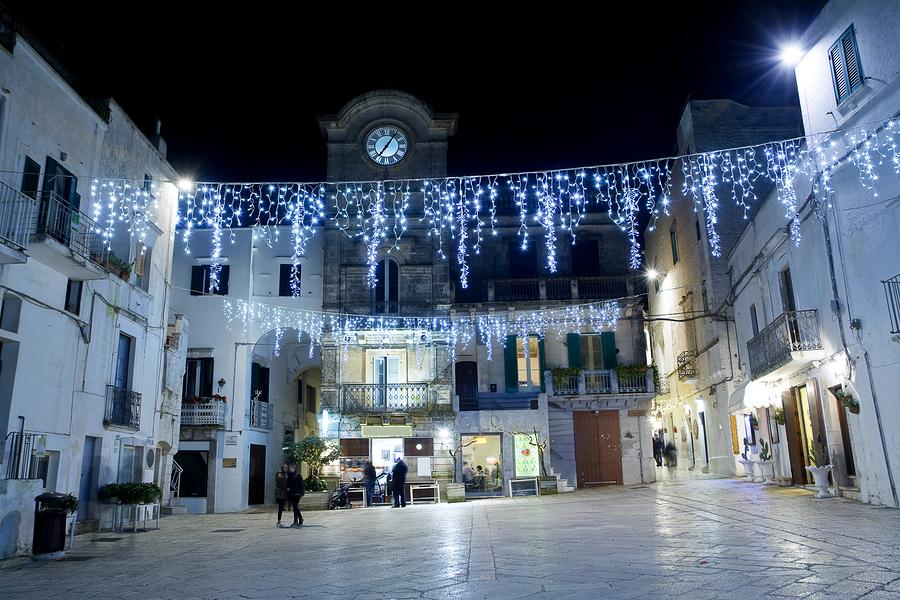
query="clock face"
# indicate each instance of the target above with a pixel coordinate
(386, 145)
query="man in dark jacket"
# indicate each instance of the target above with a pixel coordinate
(369, 481)
(398, 476)
(295, 492)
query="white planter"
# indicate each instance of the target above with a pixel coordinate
(748, 469)
(820, 478)
(767, 470)
(456, 492)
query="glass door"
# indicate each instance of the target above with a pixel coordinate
(482, 466)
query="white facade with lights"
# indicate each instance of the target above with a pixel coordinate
(818, 322)
(92, 362)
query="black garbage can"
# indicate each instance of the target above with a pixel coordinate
(49, 523)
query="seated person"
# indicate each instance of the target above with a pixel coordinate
(467, 473)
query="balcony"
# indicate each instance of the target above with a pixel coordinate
(84, 254)
(687, 366)
(374, 398)
(500, 401)
(535, 289)
(260, 414)
(16, 215)
(206, 412)
(123, 408)
(787, 343)
(601, 382)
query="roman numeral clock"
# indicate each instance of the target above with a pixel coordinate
(386, 145)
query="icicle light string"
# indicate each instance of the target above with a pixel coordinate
(456, 209)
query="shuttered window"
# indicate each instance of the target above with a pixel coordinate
(846, 70)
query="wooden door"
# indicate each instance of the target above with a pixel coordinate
(256, 493)
(796, 451)
(598, 448)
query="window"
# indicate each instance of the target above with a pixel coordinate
(73, 296)
(704, 296)
(148, 183)
(259, 382)
(198, 378)
(387, 287)
(846, 71)
(200, 280)
(754, 322)
(697, 227)
(123, 362)
(141, 266)
(31, 177)
(528, 361)
(284, 279)
(673, 238)
(310, 399)
(591, 352)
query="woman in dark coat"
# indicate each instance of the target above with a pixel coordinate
(281, 491)
(295, 492)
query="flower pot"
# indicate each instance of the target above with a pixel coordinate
(456, 492)
(854, 409)
(820, 479)
(748, 469)
(767, 470)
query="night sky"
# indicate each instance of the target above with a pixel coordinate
(238, 92)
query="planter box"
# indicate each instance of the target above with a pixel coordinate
(548, 486)
(456, 492)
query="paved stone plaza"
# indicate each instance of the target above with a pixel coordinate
(703, 538)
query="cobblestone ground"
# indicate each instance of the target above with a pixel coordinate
(708, 538)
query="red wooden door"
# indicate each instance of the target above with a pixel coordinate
(598, 448)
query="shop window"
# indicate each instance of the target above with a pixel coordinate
(482, 466)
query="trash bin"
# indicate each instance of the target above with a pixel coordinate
(49, 524)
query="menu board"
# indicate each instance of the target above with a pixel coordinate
(526, 456)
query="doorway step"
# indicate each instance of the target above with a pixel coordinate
(562, 485)
(851, 493)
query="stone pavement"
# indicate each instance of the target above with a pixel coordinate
(692, 539)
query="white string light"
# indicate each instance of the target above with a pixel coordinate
(555, 201)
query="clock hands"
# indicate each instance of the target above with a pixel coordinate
(387, 145)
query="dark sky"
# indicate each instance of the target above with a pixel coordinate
(238, 92)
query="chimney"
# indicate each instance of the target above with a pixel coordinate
(157, 140)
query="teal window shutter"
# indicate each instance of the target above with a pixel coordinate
(573, 341)
(608, 343)
(511, 365)
(541, 361)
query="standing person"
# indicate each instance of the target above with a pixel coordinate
(657, 449)
(399, 482)
(369, 477)
(295, 492)
(281, 491)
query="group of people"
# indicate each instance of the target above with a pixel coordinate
(289, 487)
(664, 450)
(397, 482)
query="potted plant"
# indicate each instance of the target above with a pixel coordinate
(316, 453)
(766, 463)
(746, 461)
(778, 415)
(848, 401)
(562, 376)
(820, 468)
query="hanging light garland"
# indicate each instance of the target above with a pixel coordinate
(488, 329)
(456, 210)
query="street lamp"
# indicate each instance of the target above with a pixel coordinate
(790, 54)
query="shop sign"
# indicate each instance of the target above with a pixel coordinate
(229, 463)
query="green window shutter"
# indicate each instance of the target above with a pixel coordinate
(541, 361)
(573, 341)
(511, 365)
(608, 343)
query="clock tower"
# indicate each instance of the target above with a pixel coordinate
(386, 134)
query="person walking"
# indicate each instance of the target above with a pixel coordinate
(398, 476)
(657, 449)
(281, 491)
(369, 477)
(295, 492)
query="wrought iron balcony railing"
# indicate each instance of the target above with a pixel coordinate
(16, 214)
(892, 293)
(533, 289)
(772, 348)
(687, 365)
(58, 220)
(18, 454)
(363, 398)
(260, 414)
(207, 412)
(123, 408)
(604, 381)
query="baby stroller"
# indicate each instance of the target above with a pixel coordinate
(339, 498)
